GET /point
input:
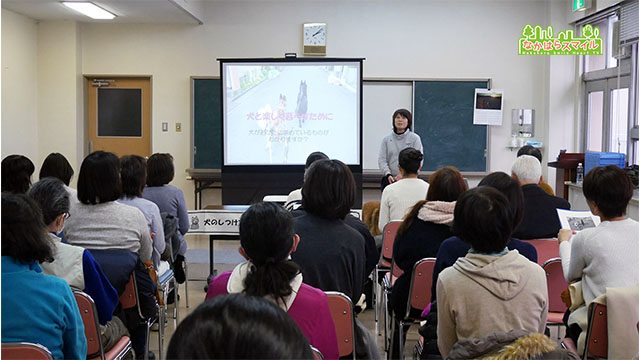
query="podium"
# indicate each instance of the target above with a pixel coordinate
(566, 165)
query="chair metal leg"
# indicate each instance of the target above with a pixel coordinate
(400, 342)
(161, 319)
(146, 340)
(376, 300)
(186, 284)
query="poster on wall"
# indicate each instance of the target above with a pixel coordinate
(487, 107)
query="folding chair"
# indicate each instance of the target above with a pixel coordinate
(317, 355)
(129, 300)
(388, 281)
(95, 348)
(384, 265)
(556, 284)
(596, 344)
(341, 310)
(419, 297)
(546, 249)
(25, 351)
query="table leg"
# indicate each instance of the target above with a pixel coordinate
(212, 271)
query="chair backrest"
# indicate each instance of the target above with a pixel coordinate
(388, 237)
(89, 316)
(317, 355)
(596, 344)
(129, 298)
(25, 351)
(556, 284)
(546, 249)
(420, 288)
(342, 313)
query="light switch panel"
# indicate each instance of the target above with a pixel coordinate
(165, 127)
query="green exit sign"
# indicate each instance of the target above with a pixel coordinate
(579, 5)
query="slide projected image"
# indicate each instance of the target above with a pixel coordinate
(278, 113)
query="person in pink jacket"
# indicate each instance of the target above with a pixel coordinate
(267, 239)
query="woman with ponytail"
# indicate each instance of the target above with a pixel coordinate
(266, 241)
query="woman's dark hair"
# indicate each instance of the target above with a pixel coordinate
(409, 160)
(160, 170)
(238, 326)
(99, 179)
(530, 150)
(510, 188)
(133, 172)
(49, 193)
(483, 219)
(24, 235)
(446, 184)
(57, 166)
(405, 114)
(313, 157)
(329, 189)
(609, 188)
(16, 174)
(266, 235)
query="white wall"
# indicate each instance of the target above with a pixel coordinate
(414, 39)
(19, 86)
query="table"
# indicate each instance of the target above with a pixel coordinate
(203, 179)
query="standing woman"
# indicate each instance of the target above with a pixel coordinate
(170, 200)
(401, 138)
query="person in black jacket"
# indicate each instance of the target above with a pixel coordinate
(540, 220)
(421, 233)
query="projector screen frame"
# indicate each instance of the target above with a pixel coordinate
(297, 168)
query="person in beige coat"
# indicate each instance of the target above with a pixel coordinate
(491, 289)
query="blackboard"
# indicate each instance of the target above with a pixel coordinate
(207, 123)
(443, 117)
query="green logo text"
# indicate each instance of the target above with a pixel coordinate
(538, 41)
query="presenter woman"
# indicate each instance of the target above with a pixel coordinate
(401, 138)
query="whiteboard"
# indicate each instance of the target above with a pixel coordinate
(380, 99)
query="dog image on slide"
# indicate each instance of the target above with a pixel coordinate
(301, 106)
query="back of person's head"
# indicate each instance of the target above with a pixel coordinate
(57, 166)
(99, 179)
(24, 236)
(238, 326)
(446, 184)
(530, 150)
(16, 174)
(609, 188)
(527, 169)
(482, 218)
(405, 114)
(160, 170)
(133, 172)
(266, 237)
(49, 193)
(510, 188)
(329, 189)
(313, 157)
(409, 160)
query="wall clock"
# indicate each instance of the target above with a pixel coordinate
(314, 39)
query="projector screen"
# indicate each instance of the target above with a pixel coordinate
(278, 112)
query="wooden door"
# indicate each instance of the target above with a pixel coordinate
(119, 114)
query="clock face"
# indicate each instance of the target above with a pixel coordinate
(315, 34)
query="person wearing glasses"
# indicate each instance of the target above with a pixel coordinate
(73, 263)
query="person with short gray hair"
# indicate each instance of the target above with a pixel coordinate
(540, 220)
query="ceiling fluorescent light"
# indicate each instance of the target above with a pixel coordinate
(89, 9)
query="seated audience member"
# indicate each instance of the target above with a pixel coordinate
(424, 228)
(540, 219)
(607, 255)
(36, 307)
(454, 248)
(238, 327)
(133, 173)
(16, 174)
(398, 198)
(170, 200)
(267, 239)
(57, 166)
(536, 153)
(101, 222)
(331, 254)
(491, 289)
(75, 264)
(294, 200)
